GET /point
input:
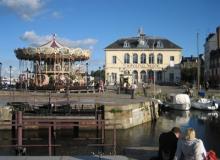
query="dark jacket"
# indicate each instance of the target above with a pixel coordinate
(167, 146)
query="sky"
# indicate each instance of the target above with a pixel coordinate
(94, 24)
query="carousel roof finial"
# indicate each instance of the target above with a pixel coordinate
(54, 43)
(54, 36)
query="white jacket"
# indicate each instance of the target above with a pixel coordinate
(190, 150)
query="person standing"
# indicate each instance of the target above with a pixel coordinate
(133, 88)
(101, 86)
(168, 143)
(190, 148)
(144, 89)
(206, 85)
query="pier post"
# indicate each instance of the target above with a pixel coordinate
(20, 133)
(49, 141)
(49, 97)
(14, 127)
(114, 140)
(76, 130)
(103, 123)
(54, 135)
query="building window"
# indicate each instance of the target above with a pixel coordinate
(171, 58)
(159, 44)
(126, 58)
(151, 58)
(126, 44)
(114, 77)
(159, 58)
(143, 58)
(114, 59)
(135, 58)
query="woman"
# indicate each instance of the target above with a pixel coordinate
(190, 148)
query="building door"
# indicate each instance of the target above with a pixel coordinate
(171, 77)
(159, 76)
(150, 76)
(135, 76)
(143, 77)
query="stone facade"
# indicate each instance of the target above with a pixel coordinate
(211, 46)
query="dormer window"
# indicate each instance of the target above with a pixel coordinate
(142, 43)
(126, 44)
(159, 44)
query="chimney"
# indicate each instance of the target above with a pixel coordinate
(218, 37)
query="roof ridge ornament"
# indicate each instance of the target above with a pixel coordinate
(141, 32)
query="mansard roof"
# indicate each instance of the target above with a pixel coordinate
(134, 43)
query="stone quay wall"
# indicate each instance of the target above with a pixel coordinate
(131, 115)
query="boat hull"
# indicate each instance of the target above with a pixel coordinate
(205, 106)
(182, 107)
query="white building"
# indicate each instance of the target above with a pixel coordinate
(143, 57)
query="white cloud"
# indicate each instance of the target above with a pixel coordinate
(35, 40)
(56, 14)
(26, 9)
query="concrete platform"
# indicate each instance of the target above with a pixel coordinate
(95, 157)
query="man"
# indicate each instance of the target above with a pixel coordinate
(168, 144)
(133, 88)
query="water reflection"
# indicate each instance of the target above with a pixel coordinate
(206, 124)
(206, 115)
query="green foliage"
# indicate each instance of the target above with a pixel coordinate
(189, 74)
(98, 73)
(115, 110)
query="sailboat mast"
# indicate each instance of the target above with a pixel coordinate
(198, 62)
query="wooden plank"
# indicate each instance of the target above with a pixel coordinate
(145, 148)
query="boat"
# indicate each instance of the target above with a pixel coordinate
(178, 102)
(205, 104)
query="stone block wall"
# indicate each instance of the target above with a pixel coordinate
(130, 115)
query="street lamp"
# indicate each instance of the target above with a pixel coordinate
(10, 67)
(27, 71)
(0, 74)
(87, 77)
(99, 73)
(104, 73)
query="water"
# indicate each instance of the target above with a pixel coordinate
(143, 135)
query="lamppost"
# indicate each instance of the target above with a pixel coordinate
(0, 74)
(99, 73)
(27, 79)
(87, 77)
(10, 67)
(164, 73)
(104, 73)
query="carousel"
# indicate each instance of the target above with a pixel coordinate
(51, 65)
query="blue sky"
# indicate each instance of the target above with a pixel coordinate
(94, 24)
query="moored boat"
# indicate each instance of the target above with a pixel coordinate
(205, 104)
(178, 102)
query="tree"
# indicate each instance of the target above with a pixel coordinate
(98, 73)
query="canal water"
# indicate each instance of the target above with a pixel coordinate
(206, 124)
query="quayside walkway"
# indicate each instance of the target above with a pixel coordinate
(94, 157)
